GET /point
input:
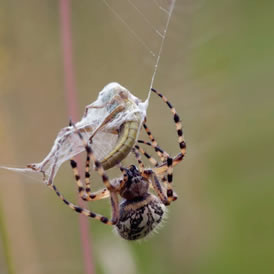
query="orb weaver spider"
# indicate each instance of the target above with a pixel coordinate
(140, 211)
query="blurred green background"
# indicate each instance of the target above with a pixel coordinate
(216, 68)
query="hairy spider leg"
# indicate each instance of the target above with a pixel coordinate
(139, 160)
(168, 166)
(160, 168)
(109, 191)
(99, 168)
(178, 124)
(78, 180)
(81, 210)
(156, 148)
(87, 175)
(152, 160)
(85, 191)
(151, 175)
(155, 183)
(161, 153)
(98, 195)
(85, 194)
(155, 164)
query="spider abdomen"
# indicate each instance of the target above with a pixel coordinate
(139, 217)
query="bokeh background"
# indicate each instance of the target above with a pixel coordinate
(217, 69)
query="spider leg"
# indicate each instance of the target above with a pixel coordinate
(81, 210)
(162, 154)
(85, 194)
(178, 124)
(168, 166)
(149, 174)
(115, 207)
(98, 195)
(155, 182)
(125, 178)
(162, 168)
(169, 178)
(80, 185)
(138, 157)
(87, 175)
(99, 168)
(172, 196)
(149, 157)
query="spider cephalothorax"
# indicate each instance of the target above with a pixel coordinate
(139, 212)
(135, 185)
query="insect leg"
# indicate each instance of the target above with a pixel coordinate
(107, 120)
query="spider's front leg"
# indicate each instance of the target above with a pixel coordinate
(81, 210)
(152, 177)
(167, 165)
(161, 153)
(172, 196)
(84, 191)
(99, 168)
(178, 124)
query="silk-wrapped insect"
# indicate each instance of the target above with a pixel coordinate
(112, 123)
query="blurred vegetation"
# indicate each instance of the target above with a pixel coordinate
(216, 68)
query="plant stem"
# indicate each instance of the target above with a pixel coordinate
(70, 94)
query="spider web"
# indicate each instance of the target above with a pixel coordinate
(67, 143)
(155, 29)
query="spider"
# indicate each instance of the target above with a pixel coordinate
(140, 211)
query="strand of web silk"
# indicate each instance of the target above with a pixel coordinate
(160, 51)
(137, 37)
(160, 7)
(70, 93)
(145, 18)
(163, 36)
(23, 171)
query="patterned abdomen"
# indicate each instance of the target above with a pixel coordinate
(139, 217)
